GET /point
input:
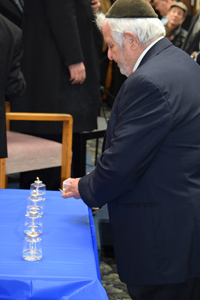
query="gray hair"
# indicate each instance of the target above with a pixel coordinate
(145, 29)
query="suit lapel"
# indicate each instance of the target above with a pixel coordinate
(155, 50)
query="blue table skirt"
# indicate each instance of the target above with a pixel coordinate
(69, 268)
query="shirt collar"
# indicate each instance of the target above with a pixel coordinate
(144, 52)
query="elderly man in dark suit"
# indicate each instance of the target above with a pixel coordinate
(149, 170)
(11, 78)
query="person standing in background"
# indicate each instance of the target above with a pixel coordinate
(61, 65)
(163, 6)
(176, 16)
(11, 77)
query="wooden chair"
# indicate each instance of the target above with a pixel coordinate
(80, 142)
(49, 153)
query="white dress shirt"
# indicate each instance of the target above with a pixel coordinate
(144, 52)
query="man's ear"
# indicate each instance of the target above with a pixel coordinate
(132, 39)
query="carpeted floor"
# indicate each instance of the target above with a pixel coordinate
(115, 289)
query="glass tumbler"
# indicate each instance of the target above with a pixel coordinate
(33, 224)
(32, 248)
(38, 187)
(35, 203)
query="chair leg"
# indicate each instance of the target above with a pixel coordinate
(2, 173)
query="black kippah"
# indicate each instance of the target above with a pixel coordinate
(131, 9)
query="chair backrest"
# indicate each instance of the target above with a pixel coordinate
(66, 139)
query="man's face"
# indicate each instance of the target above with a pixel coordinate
(161, 6)
(176, 16)
(121, 57)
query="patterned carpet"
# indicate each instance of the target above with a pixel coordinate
(115, 289)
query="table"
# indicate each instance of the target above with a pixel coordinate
(69, 268)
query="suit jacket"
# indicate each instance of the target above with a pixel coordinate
(149, 170)
(11, 78)
(10, 10)
(193, 45)
(57, 34)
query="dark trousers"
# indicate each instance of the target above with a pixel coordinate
(188, 290)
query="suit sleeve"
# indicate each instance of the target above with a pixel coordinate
(16, 84)
(142, 122)
(62, 19)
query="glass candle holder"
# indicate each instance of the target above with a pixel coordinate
(32, 248)
(35, 203)
(38, 187)
(33, 224)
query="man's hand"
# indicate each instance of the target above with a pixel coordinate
(193, 54)
(77, 73)
(95, 5)
(72, 189)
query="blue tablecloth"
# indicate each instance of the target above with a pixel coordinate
(69, 268)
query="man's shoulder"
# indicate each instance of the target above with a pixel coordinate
(163, 66)
(157, 50)
(164, 54)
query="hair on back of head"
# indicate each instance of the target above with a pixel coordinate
(145, 29)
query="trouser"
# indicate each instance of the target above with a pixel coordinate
(188, 290)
